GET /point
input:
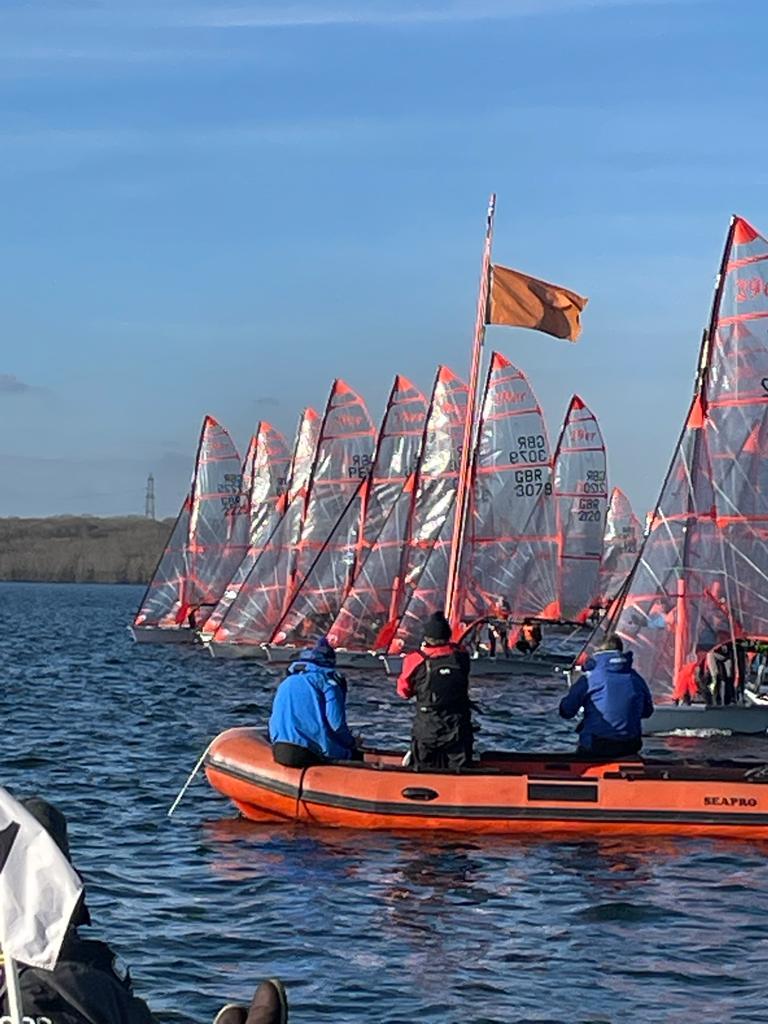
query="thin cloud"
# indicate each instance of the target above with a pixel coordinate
(304, 15)
(267, 401)
(11, 385)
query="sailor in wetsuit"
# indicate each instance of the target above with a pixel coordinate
(437, 675)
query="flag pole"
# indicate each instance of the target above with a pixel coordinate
(12, 989)
(461, 511)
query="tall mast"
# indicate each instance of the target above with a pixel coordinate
(698, 409)
(463, 491)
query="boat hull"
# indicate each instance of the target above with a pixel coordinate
(741, 719)
(499, 668)
(510, 793)
(346, 660)
(162, 635)
(235, 651)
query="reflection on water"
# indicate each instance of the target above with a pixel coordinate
(373, 927)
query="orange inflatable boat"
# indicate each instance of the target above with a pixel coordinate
(506, 793)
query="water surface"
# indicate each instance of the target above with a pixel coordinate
(363, 927)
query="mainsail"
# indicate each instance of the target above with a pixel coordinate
(373, 608)
(279, 526)
(268, 478)
(318, 600)
(194, 571)
(342, 459)
(621, 542)
(702, 573)
(162, 599)
(424, 571)
(265, 474)
(555, 573)
(513, 470)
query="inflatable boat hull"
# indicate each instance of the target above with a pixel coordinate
(508, 793)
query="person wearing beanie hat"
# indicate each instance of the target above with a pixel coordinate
(437, 629)
(308, 724)
(437, 675)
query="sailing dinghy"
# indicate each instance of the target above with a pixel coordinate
(208, 541)
(701, 577)
(371, 612)
(538, 542)
(274, 482)
(356, 533)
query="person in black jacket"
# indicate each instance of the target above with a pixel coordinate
(437, 675)
(86, 986)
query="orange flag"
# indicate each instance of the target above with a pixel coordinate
(521, 301)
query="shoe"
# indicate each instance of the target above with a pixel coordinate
(232, 1013)
(269, 1004)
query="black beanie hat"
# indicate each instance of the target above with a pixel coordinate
(52, 820)
(437, 628)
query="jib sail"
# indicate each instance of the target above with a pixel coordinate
(621, 542)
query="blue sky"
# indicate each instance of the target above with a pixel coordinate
(218, 207)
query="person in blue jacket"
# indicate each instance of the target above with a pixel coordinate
(308, 724)
(615, 698)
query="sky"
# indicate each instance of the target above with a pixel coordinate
(214, 207)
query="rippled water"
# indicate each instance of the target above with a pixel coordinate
(362, 927)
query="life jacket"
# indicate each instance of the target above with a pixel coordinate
(441, 684)
(685, 682)
(531, 633)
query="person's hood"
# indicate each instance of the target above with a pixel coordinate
(611, 661)
(321, 654)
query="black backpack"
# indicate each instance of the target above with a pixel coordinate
(443, 685)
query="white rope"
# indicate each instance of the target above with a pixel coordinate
(188, 783)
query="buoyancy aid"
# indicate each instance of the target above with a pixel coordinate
(441, 683)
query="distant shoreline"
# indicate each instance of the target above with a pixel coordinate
(81, 549)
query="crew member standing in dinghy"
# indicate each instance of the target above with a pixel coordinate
(437, 675)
